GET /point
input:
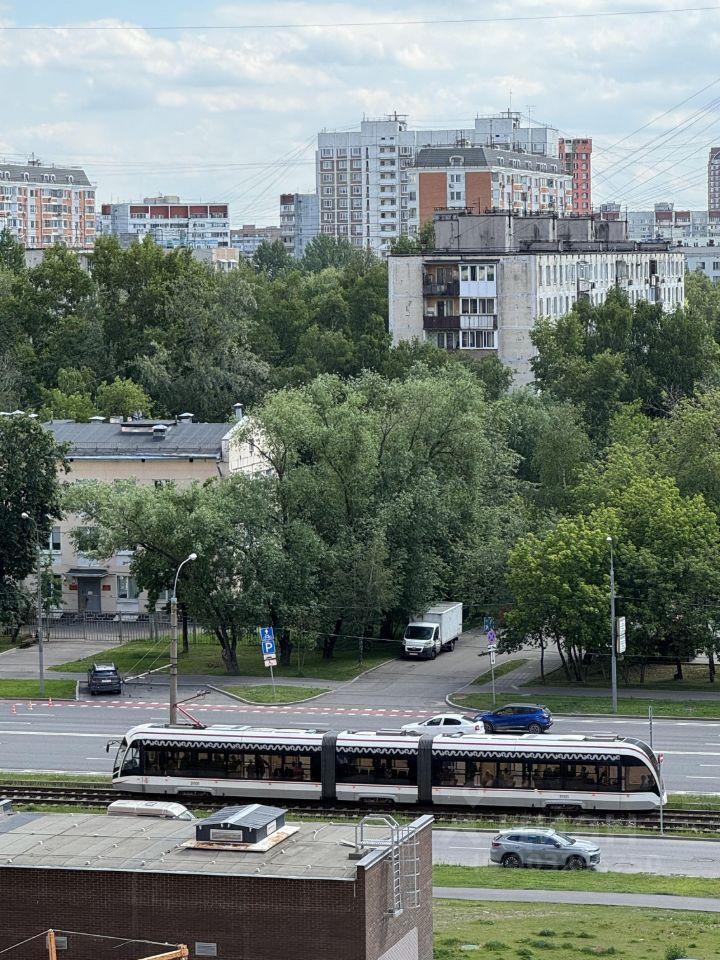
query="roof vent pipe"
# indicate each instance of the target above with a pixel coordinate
(159, 431)
(238, 411)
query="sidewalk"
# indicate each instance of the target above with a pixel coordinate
(653, 901)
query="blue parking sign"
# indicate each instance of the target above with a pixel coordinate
(267, 641)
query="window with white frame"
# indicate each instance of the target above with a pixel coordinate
(484, 305)
(127, 588)
(477, 339)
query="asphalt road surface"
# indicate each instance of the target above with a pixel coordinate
(692, 858)
(71, 736)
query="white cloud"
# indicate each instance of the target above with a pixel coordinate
(138, 101)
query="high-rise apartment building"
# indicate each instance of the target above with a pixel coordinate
(663, 222)
(577, 155)
(248, 238)
(363, 177)
(41, 204)
(714, 181)
(298, 221)
(481, 179)
(169, 221)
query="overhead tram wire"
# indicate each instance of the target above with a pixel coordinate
(641, 188)
(663, 139)
(660, 171)
(356, 24)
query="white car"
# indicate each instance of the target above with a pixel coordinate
(444, 723)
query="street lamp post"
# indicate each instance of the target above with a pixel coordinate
(174, 642)
(41, 661)
(613, 652)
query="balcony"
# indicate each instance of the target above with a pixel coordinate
(450, 288)
(431, 322)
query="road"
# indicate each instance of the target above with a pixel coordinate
(692, 858)
(70, 736)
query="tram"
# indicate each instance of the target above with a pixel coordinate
(473, 770)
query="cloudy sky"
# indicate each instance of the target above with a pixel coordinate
(223, 101)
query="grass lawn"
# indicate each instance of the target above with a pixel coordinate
(530, 931)
(501, 670)
(658, 676)
(138, 656)
(8, 777)
(583, 705)
(263, 693)
(528, 879)
(19, 689)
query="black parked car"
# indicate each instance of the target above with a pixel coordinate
(104, 678)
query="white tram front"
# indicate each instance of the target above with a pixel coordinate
(530, 772)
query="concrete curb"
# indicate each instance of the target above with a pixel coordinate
(254, 703)
(600, 716)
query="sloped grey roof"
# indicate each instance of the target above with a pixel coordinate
(35, 173)
(110, 440)
(487, 157)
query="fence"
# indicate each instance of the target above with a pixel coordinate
(84, 626)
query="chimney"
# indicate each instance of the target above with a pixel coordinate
(239, 411)
(159, 431)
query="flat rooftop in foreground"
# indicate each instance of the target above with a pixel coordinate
(143, 844)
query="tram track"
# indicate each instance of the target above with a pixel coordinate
(687, 820)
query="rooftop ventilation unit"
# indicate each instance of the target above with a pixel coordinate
(159, 431)
(252, 823)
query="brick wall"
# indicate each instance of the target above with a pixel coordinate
(432, 193)
(248, 919)
(478, 191)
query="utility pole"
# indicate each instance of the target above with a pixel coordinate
(174, 643)
(39, 612)
(613, 653)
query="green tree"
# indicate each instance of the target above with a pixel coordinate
(12, 253)
(29, 461)
(324, 251)
(121, 398)
(272, 258)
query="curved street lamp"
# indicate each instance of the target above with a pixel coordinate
(173, 642)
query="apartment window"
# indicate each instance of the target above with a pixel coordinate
(326, 152)
(327, 178)
(477, 339)
(328, 191)
(716, 265)
(127, 588)
(327, 204)
(355, 151)
(456, 195)
(540, 277)
(54, 540)
(342, 164)
(475, 272)
(478, 305)
(327, 165)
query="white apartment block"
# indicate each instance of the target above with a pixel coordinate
(169, 221)
(705, 259)
(248, 238)
(299, 223)
(41, 204)
(492, 276)
(363, 177)
(663, 222)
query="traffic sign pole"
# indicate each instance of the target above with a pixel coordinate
(267, 646)
(492, 643)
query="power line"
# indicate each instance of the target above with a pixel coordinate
(445, 21)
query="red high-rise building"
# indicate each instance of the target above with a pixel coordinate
(577, 155)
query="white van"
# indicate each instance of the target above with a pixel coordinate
(149, 808)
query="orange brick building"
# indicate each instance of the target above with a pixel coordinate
(481, 179)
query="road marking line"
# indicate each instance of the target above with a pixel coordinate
(53, 733)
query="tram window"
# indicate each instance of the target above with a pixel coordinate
(208, 763)
(637, 776)
(373, 768)
(511, 776)
(154, 762)
(131, 761)
(547, 776)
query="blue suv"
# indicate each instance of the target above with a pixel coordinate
(528, 717)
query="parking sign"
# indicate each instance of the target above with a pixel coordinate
(267, 642)
(492, 639)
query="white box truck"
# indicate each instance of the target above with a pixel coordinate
(436, 630)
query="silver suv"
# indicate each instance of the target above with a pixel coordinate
(543, 848)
